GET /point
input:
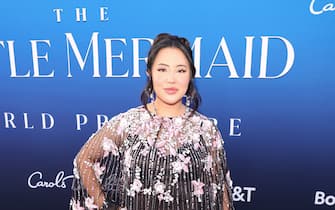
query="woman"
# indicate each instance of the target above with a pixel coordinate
(161, 155)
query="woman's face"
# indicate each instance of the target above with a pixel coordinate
(171, 75)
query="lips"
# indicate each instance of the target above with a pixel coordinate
(170, 90)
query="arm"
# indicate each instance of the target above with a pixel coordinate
(90, 166)
(227, 199)
(90, 154)
(221, 168)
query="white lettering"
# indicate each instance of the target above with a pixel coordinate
(110, 56)
(230, 64)
(264, 56)
(35, 180)
(249, 191)
(321, 199)
(58, 14)
(330, 200)
(196, 47)
(327, 8)
(9, 119)
(51, 121)
(234, 125)
(103, 14)
(36, 57)
(136, 55)
(12, 61)
(248, 57)
(47, 121)
(221, 58)
(100, 121)
(81, 119)
(81, 61)
(81, 14)
(26, 123)
(239, 194)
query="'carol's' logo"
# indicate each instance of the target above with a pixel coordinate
(35, 180)
(317, 10)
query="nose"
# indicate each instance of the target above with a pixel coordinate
(171, 77)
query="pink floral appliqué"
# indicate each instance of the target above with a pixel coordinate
(98, 170)
(165, 196)
(149, 130)
(208, 162)
(89, 203)
(196, 141)
(198, 191)
(108, 145)
(135, 187)
(159, 187)
(181, 164)
(76, 205)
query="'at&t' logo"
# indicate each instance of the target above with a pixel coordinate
(321, 198)
(243, 194)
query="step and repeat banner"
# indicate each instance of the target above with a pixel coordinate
(265, 71)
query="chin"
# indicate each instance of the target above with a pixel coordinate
(171, 102)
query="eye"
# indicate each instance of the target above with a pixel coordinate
(181, 70)
(161, 69)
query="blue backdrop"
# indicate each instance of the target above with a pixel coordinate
(265, 73)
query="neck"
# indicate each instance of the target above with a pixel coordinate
(167, 110)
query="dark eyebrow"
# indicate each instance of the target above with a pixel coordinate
(180, 65)
(163, 64)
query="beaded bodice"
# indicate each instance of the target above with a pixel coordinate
(143, 161)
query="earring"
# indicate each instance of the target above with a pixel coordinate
(188, 101)
(152, 96)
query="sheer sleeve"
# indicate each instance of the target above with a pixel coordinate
(221, 168)
(97, 168)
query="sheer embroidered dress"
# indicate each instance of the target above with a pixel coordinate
(142, 161)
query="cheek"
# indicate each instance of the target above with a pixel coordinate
(184, 81)
(156, 81)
